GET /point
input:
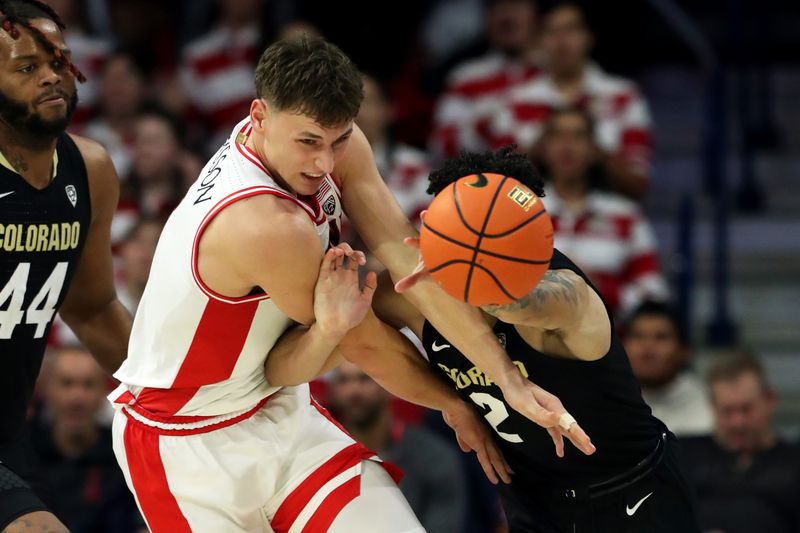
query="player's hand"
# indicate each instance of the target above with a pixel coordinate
(420, 272)
(340, 301)
(473, 435)
(545, 409)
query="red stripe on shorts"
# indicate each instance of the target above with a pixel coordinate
(297, 500)
(324, 516)
(149, 479)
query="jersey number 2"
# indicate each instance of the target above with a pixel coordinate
(40, 312)
(497, 413)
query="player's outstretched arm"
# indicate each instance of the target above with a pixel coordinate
(91, 307)
(383, 227)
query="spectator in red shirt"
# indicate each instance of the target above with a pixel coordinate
(603, 232)
(475, 89)
(571, 79)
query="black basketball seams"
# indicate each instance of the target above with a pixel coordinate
(484, 252)
(481, 267)
(515, 228)
(460, 214)
(480, 237)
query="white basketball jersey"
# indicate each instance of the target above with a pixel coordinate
(195, 352)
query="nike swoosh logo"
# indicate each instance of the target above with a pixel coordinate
(440, 347)
(3, 195)
(632, 510)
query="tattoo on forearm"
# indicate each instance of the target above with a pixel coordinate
(553, 286)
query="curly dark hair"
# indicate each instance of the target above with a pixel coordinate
(506, 161)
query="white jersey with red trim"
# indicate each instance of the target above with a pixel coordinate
(193, 351)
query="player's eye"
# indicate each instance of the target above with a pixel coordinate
(308, 142)
(26, 69)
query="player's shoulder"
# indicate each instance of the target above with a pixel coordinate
(99, 167)
(266, 219)
(92, 151)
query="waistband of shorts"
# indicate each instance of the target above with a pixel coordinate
(182, 425)
(620, 481)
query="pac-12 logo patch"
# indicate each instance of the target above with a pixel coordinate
(72, 194)
(329, 206)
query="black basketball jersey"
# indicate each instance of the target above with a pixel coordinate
(42, 233)
(602, 395)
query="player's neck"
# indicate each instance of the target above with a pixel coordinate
(256, 148)
(31, 158)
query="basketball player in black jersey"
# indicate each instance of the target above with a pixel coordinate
(562, 336)
(58, 193)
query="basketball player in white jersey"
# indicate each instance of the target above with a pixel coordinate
(206, 442)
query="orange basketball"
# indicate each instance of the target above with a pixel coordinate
(487, 239)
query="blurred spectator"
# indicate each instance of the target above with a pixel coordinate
(747, 478)
(621, 117)
(122, 90)
(217, 69)
(603, 232)
(88, 486)
(89, 53)
(404, 168)
(658, 349)
(433, 482)
(136, 256)
(477, 88)
(161, 171)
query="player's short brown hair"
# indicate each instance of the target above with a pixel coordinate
(309, 75)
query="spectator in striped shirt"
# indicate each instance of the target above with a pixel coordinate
(603, 232)
(216, 69)
(571, 79)
(475, 89)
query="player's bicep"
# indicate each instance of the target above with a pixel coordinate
(283, 260)
(373, 210)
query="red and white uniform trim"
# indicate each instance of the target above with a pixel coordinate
(194, 351)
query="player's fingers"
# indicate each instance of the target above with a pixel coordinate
(558, 440)
(466, 448)
(540, 415)
(370, 284)
(328, 262)
(580, 439)
(409, 281)
(486, 464)
(413, 242)
(499, 463)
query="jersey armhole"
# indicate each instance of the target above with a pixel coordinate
(225, 202)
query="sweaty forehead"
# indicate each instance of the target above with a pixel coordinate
(27, 44)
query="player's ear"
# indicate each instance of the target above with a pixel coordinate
(259, 112)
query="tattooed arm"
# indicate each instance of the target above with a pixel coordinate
(564, 306)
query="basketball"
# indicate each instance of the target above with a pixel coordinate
(487, 239)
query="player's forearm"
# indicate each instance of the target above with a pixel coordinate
(464, 326)
(390, 359)
(105, 333)
(300, 355)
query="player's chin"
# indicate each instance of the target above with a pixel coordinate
(309, 183)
